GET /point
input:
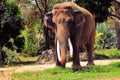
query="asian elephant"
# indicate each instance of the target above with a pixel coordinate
(73, 26)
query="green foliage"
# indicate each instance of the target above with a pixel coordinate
(10, 24)
(99, 8)
(28, 59)
(11, 57)
(115, 64)
(32, 35)
(97, 40)
(105, 37)
(108, 53)
(90, 73)
(14, 10)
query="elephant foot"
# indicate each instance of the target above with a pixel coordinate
(90, 63)
(77, 67)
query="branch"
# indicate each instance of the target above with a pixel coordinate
(39, 8)
(117, 1)
(110, 14)
(45, 6)
(115, 19)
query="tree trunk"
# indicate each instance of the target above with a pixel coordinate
(117, 24)
(1, 60)
(47, 38)
(47, 32)
(117, 28)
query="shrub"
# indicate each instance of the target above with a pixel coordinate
(34, 43)
(108, 53)
(105, 37)
(11, 57)
(97, 40)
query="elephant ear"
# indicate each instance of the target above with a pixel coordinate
(79, 18)
(47, 22)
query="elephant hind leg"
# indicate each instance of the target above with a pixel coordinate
(89, 48)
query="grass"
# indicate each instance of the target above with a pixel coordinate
(107, 53)
(25, 59)
(91, 73)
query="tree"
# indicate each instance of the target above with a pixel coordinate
(10, 26)
(99, 8)
(47, 6)
(117, 22)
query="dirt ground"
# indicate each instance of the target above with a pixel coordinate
(6, 72)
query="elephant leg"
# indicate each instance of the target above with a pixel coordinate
(89, 48)
(76, 62)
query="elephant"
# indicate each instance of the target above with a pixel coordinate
(74, 27)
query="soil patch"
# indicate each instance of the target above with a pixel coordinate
(6, 72)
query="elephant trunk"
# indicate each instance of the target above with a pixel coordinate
(62, 49)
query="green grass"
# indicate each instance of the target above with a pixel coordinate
(25, 59)
(108, 53)
(91, 73)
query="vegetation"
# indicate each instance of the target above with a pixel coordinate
(90, 73)
(117, 22)
(107, 54)
(33, 40)
(28, 59)
(10, 57)
(99, 8)
(10, 26)
(105, 36)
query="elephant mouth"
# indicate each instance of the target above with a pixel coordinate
(59, 50)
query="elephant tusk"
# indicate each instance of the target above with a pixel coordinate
(70, 47)
(58, 51)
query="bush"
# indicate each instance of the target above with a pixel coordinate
(107, 53)
(11, 57)
(34, 43)
(105, 37)
(97, 40)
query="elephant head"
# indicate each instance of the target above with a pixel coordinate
(63, 20)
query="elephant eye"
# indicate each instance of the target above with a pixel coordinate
(54, 25)
(70, 21)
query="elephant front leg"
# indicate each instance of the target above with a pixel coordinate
(76, 62)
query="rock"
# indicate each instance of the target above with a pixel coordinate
(47, 57)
